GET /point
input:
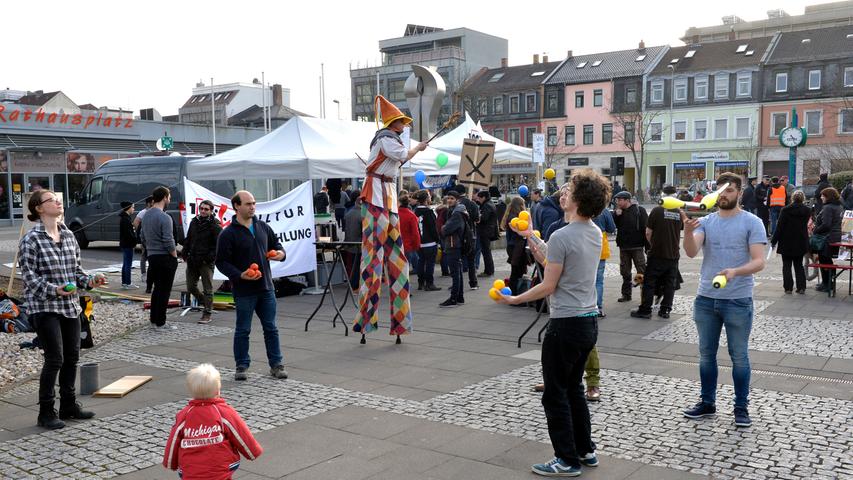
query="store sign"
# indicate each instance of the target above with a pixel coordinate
(26, 162)
(82, 120)
(577, 162)
(704, 156)
(730, 164)
(687, 166)
(513, 166)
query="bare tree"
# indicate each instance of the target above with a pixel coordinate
(747, 149)
(634, 129)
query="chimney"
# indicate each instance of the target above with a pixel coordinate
(535, 58)
(732, 35)
(504, 62)
(544, 58)
(641, 46)
(276, 95)
(569, 54)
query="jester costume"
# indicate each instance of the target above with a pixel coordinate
(381, 244)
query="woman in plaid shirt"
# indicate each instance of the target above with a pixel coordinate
(50, 261)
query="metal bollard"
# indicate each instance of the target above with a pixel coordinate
(89, 378)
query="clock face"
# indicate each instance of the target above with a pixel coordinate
(791, 137)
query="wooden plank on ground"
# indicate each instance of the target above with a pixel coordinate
(123, 386)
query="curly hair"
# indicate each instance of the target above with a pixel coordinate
(590, 192)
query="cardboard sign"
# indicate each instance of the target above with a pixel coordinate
(475, 166)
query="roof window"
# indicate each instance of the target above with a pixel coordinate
(673, 61)
(749, 53)
(640, 58)
(690, 54)
(537, 74)
(496, 77)
(742, 48)
(581, 65)
(596, 63)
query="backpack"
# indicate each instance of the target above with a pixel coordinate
(467, 237)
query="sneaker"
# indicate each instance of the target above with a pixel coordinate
(624, 298)
(556, 468)
(801, 291)
(475, 287)
(460, 301)
(240, 374)
(278, 371)
(601, 314)
(448, 303)
(589, 460)
(788, 292)
(639, 314)
(205, 319)
(128, 286)
(663, 313)
(742, 417)
(593, 394)
(165, 327)
(431, 288)
(700, 410)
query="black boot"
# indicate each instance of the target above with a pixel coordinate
(420, 284)
(431, 288)
(399, 341)
(47, 417)
(363, 340)
(69, 408)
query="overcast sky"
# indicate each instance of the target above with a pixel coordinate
(151, 53)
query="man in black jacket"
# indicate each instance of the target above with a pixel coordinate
(747, 200)
(451, 234)
(468, 263)
(127, 242)
(821, 184)
(247, 241)
(631, 222)
(762, 191)
(200, 254)
(429, 242)
(487, 230)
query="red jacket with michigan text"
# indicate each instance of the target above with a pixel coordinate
(207, 440)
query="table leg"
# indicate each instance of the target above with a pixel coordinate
(335, 260)
(325, 290)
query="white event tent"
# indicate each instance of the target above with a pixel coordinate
(303, 148)
(451, 144)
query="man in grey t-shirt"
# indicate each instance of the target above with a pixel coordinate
(571, 262)
(732, 242)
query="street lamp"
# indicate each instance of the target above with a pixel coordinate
(338, 103)
(671, 131)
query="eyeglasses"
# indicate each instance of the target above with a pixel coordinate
(54, 200)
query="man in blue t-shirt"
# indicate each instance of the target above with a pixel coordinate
(732, 242)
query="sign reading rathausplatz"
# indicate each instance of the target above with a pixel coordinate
(82, 120)
(291, 217)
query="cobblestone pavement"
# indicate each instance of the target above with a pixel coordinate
(794, 436)
(770, 333)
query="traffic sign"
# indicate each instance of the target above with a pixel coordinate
(165, 143)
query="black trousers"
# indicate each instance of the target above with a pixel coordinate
(517, 269)
(825, 259)
(161, 269)
(799, 273)
(661, 275)
(565, 348)
(60, 339)
(486, 250)
(454, 263)
(469, 264)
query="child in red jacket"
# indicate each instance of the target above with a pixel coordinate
(208, 436)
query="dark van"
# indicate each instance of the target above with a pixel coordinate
(93, 216)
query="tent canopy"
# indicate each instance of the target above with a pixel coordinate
(451, 144)
(303, 148)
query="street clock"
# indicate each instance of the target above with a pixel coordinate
(792, 137)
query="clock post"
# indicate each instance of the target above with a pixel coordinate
(793, 137)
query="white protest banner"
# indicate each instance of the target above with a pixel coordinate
(291, 217)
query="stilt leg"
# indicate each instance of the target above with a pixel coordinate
(363, 340)
(399, 341)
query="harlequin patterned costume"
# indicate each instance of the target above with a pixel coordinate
(381, 244)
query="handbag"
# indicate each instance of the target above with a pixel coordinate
(817, 242)
(86, 340)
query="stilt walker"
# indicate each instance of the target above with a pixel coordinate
(381, 244)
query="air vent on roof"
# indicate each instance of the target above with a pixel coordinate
(807, 40)
(673, 61)
(640, 58)
(741, 48)
(690, 54)
(596, 63)
(581, 65)
(496, 77)
(749, 53)
(537, 74)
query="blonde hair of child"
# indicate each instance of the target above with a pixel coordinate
(204, 382)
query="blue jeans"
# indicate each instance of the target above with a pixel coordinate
(599, 283)
(126, 263)
(711, 315)
(774, 217)
(414, 261)
(454, 264)
(426, 265)
(264, 305)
